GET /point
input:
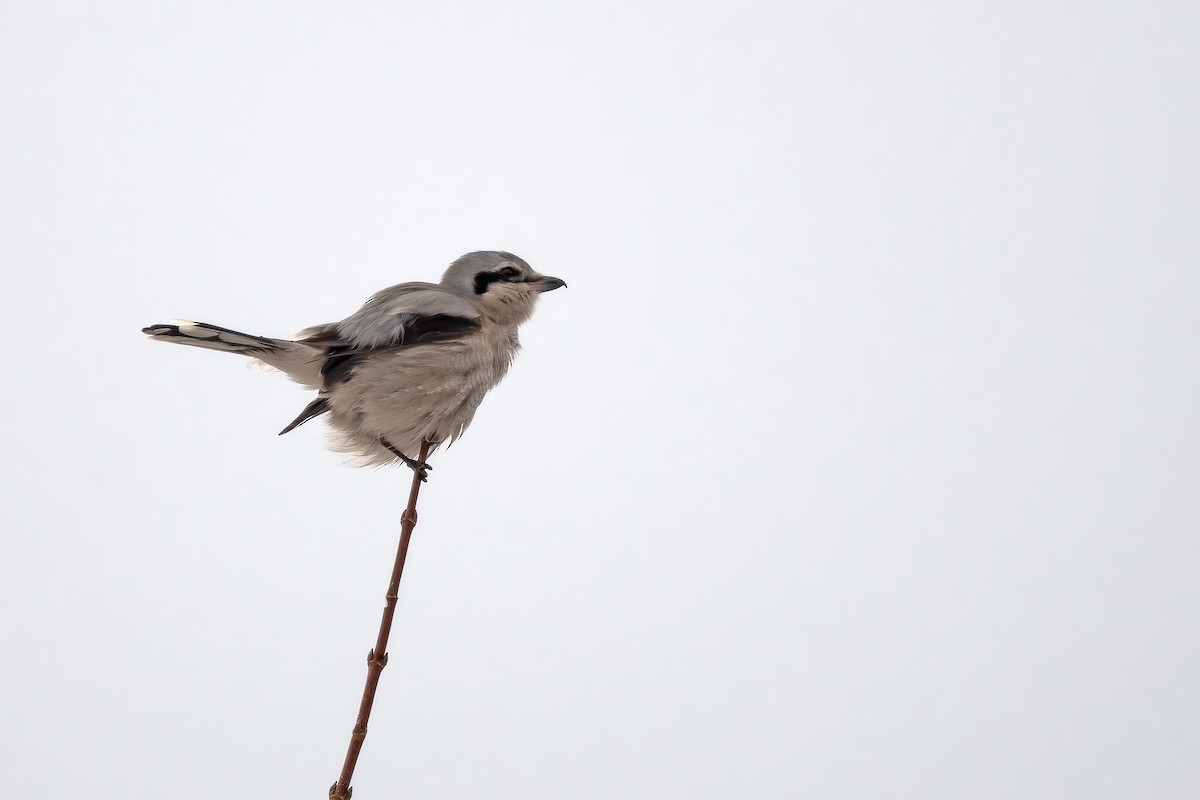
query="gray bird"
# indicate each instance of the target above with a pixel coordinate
(410, 366)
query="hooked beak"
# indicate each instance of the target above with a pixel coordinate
(547, 283)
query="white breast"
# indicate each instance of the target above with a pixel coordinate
(426, 392)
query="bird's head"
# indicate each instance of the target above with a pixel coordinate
(505, 287)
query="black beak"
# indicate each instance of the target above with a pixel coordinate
(547, 283)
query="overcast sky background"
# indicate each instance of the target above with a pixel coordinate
(859, 459)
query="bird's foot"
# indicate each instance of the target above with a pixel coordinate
(419, 467)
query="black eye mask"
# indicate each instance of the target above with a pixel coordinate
(485, 279)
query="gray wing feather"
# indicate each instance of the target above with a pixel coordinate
(393, 314)
(398, 317)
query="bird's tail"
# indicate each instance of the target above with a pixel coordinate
(300, 361)
(201, 334)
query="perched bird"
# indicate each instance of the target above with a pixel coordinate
(410, 366)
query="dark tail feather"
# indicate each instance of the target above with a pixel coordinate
(212, 337)
(314, 409)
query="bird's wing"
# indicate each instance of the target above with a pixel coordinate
(400, 316)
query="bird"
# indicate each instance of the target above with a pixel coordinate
(410, 367)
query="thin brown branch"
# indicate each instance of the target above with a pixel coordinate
(377, 658)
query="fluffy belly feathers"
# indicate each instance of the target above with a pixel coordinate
(423, 393)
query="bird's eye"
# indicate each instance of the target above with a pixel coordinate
(509, 273)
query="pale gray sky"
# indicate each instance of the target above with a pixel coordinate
(860, 459)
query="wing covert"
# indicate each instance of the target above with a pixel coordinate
(395, 316)
(400, 316)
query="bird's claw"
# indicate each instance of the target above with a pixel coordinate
(419, 467)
